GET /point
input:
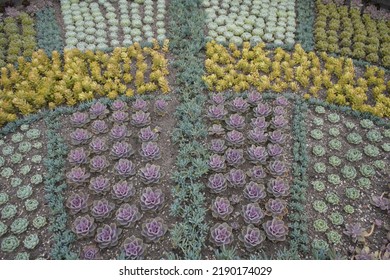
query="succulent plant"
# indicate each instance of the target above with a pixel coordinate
(262, 110)
(374, 136)
(221, 234)
(133, 248)
(98, 145)
(31, 241)
(333, 118)
(371, 151)
(352, 193)
(366, 123)
(154, 229)
(77, 202)
(77, 156)
(119, 117)
(316, 134)
(277, 137)
(25, 169)
(90, 252)
(17, 137)
(254, 98)
(332, 198)
(279, 111)
(31, 204)
(239, 105)
(99, 127)
(333, 237)
(364, 182)
(281, 101)
(278, 187)
(152, 199)
(279, 122)
(101, 209)
(221, 208)
(217, 163)
(217, 146)
(320, 167)
(349, 125)
(274, 150)
(80, 136)
(150, 174)
(335, 144)
(217, 183)
(146, 134)
(386, 147)
(349, 172)
(8, 150)
(99, 184)
(318, 185)
(140, 105)
(24, 192)
(98, 163)
(380, 164)
(236, 177)
(37, 145)
(367, 170)
(24, 147)
(119, 132)
(98, 110)
(381, 202)
(334, 131)
(349, 209)
(235, 122)
(320, 225)
(257, 136)
(19, 225)
(9, 244)
(354, 155)
(319, 150)
(36, 179)
(16, 158)
(77, 176)
(3, 229)
(334, 179)
(275, 229)
(277, 168)
(122, 191)
(252, 237)
(354, 138)
(125, 168)
(235, 138)
(160, 107)
(259, 123)
(4, 197)
(39, 222)
(320, 206)
(107, 235)
(257, 173)
(320, 245)
(356, 231)
(336, 218)
(140, 119)
(318, 121)
(7, 172)
(252, 213)
(216, 129)
(150, 151)
(257, 154)
(121, 150)
(254, 192)
(118, 105)
(79, 119)
(127, 215)
(276, 207)
(217, 98)
(9, 211)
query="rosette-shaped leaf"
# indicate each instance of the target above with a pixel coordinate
(217, 183)
(217, 146)
(275, 229)
(80, 136)
(257, 154)
(239, 105)
(257, 136)
(118, 105)
(277, 137)
(133, 247)
(252, 237)
(152, 199)
(217, 163)
(279, 111)
(276, 207)
(140, 119)
(236, 177)
(221, 234)
(98, 145)
(257, 173)
(147, 134)
(121, 150)
(218, 98)
(77, 202)
(99, 127)
(254, 192)
(98, 110)
(216, 112)
(356, 231)
(90, 252)
(281, 101)
(262, 110)
(221, 208)
(122, 191)
(77, 176)
(127, 215)
(150, 174)
(119, 132)
(278, 122)
(140, 105)
(120, 117)
(252, 213)
(234, 157)
(236, 122)
(254, 98)
(278, 187)
(99, 184)
(79, 119)
(380, 202)
(216, 129)
(277, 168)
(107, 235)
(274, 150)
(125, 167)
(98, 163)
(259, 122)
(160, 107)
(101, 209)
(77, 156)
(150, 151)
(154, 229)
(84, 226)
(235, 138)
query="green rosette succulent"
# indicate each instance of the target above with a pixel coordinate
(333, 237)
(36, 158)
(349, 125)
(33, 133)
(25, 169)
(335, 144)
(336, 218)
(36, 179)
(22, 256)
(31, 204)
(334, 179)
(7, 172)
(17, 137)
(24, 192)
(374, 136)
(3, 198)
(334, 161)
(380, 164)
(15, 182)
(367, 170)
(320, 206)
(39, 222)
(354, 155)
(16, 158)
(386, 147)
(320, 225)
(320, 245)
(320, 167)
(9, 244)
(349, 209)
(319, 150)
(319, 110)
(318, 185)
(19, 225)
(316, 134)
(3, 228)
(364, 183)
(334, 131)
(333, 118)
(371, 151)
(31, 241)
(318, 121)
(332, 198)
(24, 147)
(354, 138)
(348, 172)
(352, 193)
(9, 211)
(366, 123)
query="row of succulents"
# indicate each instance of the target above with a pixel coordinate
(252, 21)
(77, 76)
(334, 79)
(110, 191)
(261, 144)
(348, 165)
(22, 221)
(343, 30)
(17, 38)
(94, 25)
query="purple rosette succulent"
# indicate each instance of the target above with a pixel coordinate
(154, 229)
(277, 168)
(98, 110)
(221, 208)
(278, 187)
(275, 229)
(279, 122)
(279, 111)
(356, 231)
(262, 110)
(160, 107)
(257, 154)
(257, 173)
(254, 192)
(221, 234)
(77, 176)
(83, 226)
(236, 177)
(217, 163)
(90, 252)
(99, 184)
(125, 168)
(276, 207)
(236, 122)
(80, 136)
(77, 156)
(107, 235)
(281, 101)
(133, 248)
(234, 157)
(79, 119)
(152, 199)
(239, 105)
(252, 237)
(120, 116)
(150, 151)
(119, 132)
(216, 129)
(252, 213)
(140, 119)
(254, 98)
(235, 138)
(118, 105)
(259, 122)
(274, 150)
(127, 215)
(122, 191)
(98, 163)
(77, 202)
(217, 146)
(101, 209)
(277, 137)
(381, 202)
(150, 174)
(217, 183)
(257, 136)
(216, 113)
(140, 105)
(99, 127)
(98, 145)
(147, 134)
(121, 150)
(217, 98)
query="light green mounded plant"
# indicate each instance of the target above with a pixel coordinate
(24, 127)
(7, 150)
(19, 225)
(17, 137)
(380, 164)
(36, 179)
(334, 161)
(334, 131)
(33, 133)
(354, 138)
(37, 145)
(320, 225)
(31, 204)
(333, 118)
(318, 121)
(335, 144)
(336, 218)
(366, 123)
(386, 147)
(22, 256)
(349, 125)
(333, 237)
(371, 151)
(4, 197)
(364, 183)
(316, 134)
(386, 133)
(334, 179)
(320, 245)
(39, 222)
(7, 172)
(332, 198)
(24, 147)
(349, 209)
(354, 155)
(9, 244)
(320, 167)
(3, 228)
(367, 170)
(319, 110)
(352, 193)
(2, 161)
(319, 150)
(374, 135)
(16, 182)
(24, 192)
(25, 169)
(318, 185)
(16, 158)
(31, 241)
(320, 206)
(9, 211)
(348, 172)
(36, 158)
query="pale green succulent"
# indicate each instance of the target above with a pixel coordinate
(17, 137)
(354, 138)
(335, 144)
(332, 198)
(333, 118)
(3, 198)
(334, 131)
(318, 185)
(352, 193)
(320, 244)
(31, 241)
(336, 218)
(320, 206)
(16, 158)
(334, 179)
(320, 110)
(3, 228)
(371, 151)
(36, 179)
(349, 209)
(39, 222)
(349, 172)
(354, 155)
(7, 150)
(24, 192)
(320, 225)
(2, 161)
(333, 237)
(19, 225)
(386, 147)
(22, 256)
(15, 182)
(386, 133)
(31, 204)
(374, 136)
(9, 211)
(380, 164)
(36, 158)
(334, 161)
(316, 134)
(24, 127)
(366, 123)
(33, 133)
(24, 147)
(367, 170)
(364, 183)
(25, 169)
(320, 167)
(37, 145)
(7, 172)
(349, 125)
(319, 150)
(9, 244)
(318, 121)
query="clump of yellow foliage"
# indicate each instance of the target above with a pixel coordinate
(300, 71)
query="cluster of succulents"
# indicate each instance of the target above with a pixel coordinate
(248, 131)
(252, 21)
